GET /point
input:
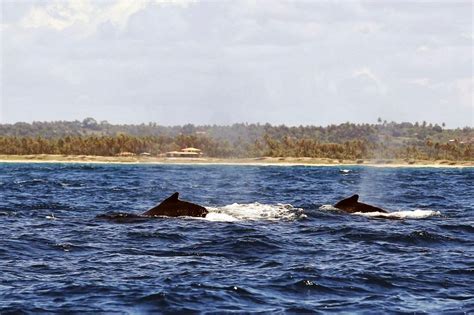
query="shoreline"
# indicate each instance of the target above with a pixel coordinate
(261, 161)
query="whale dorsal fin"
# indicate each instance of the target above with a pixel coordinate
(353, 199)
(173, 197)
(348, 201)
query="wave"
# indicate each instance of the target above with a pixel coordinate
(403, 214)
(328, 208)
(234, 212)
(254, 211)
(258, 211)
(34, 181)
(345, 171)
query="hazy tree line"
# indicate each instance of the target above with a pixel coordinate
(343, 141)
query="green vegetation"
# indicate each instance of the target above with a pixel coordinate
(344, 141)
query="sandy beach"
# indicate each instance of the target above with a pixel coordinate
(262, 161)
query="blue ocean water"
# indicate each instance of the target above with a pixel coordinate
(271, 242)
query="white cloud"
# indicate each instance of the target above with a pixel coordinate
(229, 61)
(60, 14)
(368, 75)
(465, 90)
(422, 49)
(425, 82)
(119, 13)
(367, 27)
(469, 36)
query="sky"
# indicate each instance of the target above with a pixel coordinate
(223, 62)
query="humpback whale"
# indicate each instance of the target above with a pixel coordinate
(352, 205)
(173, 207)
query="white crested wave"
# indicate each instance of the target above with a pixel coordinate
(403, 214)
(328, 208)
(254, 211)
(51, 217)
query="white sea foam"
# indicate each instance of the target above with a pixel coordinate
(51, 217)
(328, 208)
(403, 214)
(254, 211)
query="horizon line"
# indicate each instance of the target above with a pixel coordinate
(104, 122)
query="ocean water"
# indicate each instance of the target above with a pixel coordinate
(272, 242)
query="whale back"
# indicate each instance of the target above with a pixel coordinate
(352, 204)
(173, 207)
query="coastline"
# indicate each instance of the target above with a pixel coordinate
(261, 161)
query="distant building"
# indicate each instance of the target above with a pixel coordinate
(125, 154)
(187, 152)
(194, 150)
(145, 154)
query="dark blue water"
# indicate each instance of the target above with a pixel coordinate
(269, 244)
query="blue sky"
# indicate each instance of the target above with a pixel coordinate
(221, 62)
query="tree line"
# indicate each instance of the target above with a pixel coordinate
(267, 145)
(250, 132)
(343, 141)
